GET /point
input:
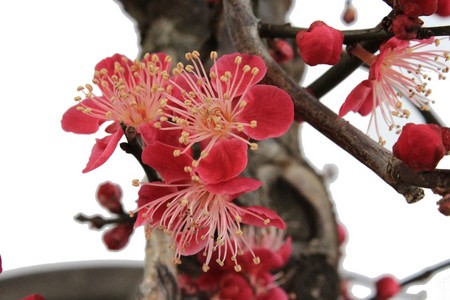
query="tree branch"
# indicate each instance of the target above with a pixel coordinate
(243, 28)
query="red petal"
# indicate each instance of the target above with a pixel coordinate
(359, 100)
(76, 121)
(148, 193)
(264, 213)
(160, 157)
(227, 159)
(226, 63)
(234, 187)
(195, 244)
(109, 64)
(102, 150)
(272, 109)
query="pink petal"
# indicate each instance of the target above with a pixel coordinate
(264, 213)
(195, 243)
(227, 159)
(359, 100)
(272, 109)
(148, 193)
(102, 150)
(226, 63)
(160, 157)
(76, 121)
(109, 64)
(235, 186)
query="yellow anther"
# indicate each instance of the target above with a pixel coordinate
(176, 152)
(255, 71)
(89, 87)
(237, 268)
(204, 154)
(253, 146)
(205, 268)
(77, 98)
(184, 202)
(135, 182)
(238, 60)
(256, 260)
(195, 54)
(238, 232)
(157, 125)
(242, 103)
(266, 221)
(246, 68)
(188, 56)
(213, 55)
(195, 163)
(253, 123)
(176, 261)
(219, 262)
(189, 68)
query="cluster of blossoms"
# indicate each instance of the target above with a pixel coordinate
(401, 70)
(256, 281)
(195, 127)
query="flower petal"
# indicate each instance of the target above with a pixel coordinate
(234, 187)
(271, 108)
(160, 157)
(359, 100)
(76, 121)
(227, 159)
(263, 212)
(102, 150)
(227, 63)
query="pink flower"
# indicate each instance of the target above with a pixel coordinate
(420, 146)
(400, 70)
(271, 252)
(320, 44)
(416, 8)
(131, 94)
(222, 110)
(198, 215)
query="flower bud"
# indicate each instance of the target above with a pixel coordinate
(349, 14)
(117, 237)
(443, 8)
(109, 196)
(416, 8)
(387, 287)
(420, 146)
(320, 44)
(444, 205)
(281, 51)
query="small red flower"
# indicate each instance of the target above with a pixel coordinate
(416, 8)
(443, 8)
(221, 110)
(117, 237)
(387, 287)
(420, 146)
(198, 215)
(131, 94)
(109, 195)
(320, 44)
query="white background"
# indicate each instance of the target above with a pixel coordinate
(48, 48)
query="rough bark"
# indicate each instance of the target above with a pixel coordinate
(291, 186)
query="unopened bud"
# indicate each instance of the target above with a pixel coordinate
(109, 196)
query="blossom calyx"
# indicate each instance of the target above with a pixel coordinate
(420, 146)
(320, 44)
